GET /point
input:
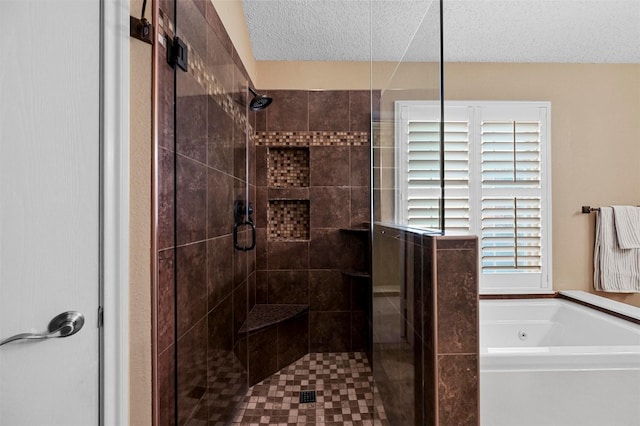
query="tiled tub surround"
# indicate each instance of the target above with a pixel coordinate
(313, 151)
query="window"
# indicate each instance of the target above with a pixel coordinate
(497, 183)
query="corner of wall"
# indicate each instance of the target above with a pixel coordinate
(232, 16)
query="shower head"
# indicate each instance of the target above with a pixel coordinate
(259, 102)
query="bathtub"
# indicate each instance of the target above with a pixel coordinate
(556, 362)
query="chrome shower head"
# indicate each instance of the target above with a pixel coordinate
(259, 102)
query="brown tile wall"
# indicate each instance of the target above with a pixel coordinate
(202, 168)
(332, 128)
(451, 314)
(441, 275)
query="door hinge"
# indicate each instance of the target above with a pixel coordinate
(177, 53)
(100, 316)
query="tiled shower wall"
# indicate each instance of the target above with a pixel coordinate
(451, 355)
(313, 167)
(202, 169)
(441, 278)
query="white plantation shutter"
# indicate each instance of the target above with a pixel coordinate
(511, 235)
(419, 175)
(513, 196)
(496, 183)
(423, 173)
(510, 154)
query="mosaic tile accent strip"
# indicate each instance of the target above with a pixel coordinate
(164, 31)
(205, 77)
(288, 220)
(307, 138)
(288, 167)
(346, 394)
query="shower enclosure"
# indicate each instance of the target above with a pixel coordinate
(278, 232)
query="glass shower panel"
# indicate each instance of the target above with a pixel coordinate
(407, 183)
(212, 279)
(408, 186)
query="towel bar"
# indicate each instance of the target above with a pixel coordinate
(589, 209)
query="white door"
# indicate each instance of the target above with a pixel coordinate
(49, 209)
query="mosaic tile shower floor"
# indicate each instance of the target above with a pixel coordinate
(345, 394)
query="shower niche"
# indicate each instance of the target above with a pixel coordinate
(288, 190)
(288, 167)
(288, 220)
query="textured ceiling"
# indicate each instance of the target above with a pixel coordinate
(565, 31)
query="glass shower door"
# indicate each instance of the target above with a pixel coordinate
(214, 185)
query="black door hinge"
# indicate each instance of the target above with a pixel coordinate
(177, 53)
(100, 317)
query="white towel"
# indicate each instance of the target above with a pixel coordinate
(627, 219)
(614, 269)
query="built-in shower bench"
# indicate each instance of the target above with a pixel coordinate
(265, 315)
(272, 337)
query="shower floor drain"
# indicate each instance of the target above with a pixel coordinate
(307, 397)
